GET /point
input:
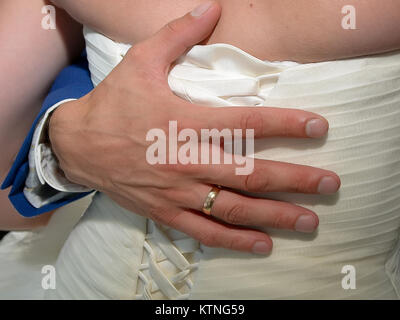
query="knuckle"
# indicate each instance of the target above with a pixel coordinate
(189, 169)
(143, 66)
(184, 122)
(170, 194)
(300, 183)
(159, 214)
(177, 197)
(208, 239)
(252, 119)
(257, 181)
(279, 221)
(235, 214)
(287, 123)
(137, 52)
(234, 243)
(172, 27)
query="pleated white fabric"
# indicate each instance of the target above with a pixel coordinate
(116, 254)
(359, 226)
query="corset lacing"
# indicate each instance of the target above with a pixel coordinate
(166, 266)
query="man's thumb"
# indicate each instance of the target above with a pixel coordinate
(176, 37)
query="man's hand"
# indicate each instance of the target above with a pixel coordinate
(100, 141)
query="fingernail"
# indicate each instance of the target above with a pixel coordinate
(261, 247)
(306, 224)
(316, 128)
(328, 185)
(202, 9)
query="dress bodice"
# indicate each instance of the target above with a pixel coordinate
(359, 226)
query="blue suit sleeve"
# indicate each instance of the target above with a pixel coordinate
(73, 83)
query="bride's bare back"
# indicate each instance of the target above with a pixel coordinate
(299, 30)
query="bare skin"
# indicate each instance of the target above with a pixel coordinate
(100, 129)
(277, 30)
(174, 195)
(260, 38)
(30, 60)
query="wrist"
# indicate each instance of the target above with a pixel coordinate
(65, 134)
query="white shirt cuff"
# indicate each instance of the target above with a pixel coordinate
(46, 182)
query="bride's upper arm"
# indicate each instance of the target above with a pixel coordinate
(30, 59)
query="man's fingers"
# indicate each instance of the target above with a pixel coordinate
(209, 232)
(237, 209)
(214, 234)
(176, 37)
(271, 176)
(265, 121)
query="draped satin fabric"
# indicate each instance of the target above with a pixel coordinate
(360, 225)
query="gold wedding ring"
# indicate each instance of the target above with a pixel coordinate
(209, 202)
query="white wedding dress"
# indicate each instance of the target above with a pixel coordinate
(115, 254)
